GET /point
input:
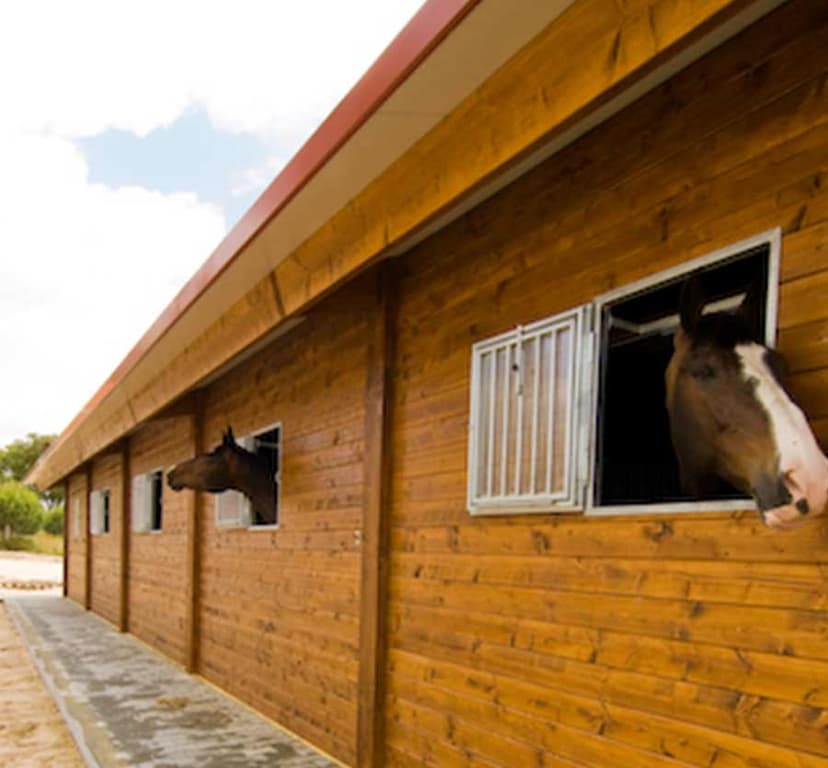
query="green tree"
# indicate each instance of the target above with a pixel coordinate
(20, 510)
(19, 456)
(53, 521)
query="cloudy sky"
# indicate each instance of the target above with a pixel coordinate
(133, 136)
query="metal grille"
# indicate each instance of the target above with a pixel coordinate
(523, 416)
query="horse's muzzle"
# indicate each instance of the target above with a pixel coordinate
(807, 494)
(173, 481)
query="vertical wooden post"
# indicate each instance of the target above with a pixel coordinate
(377, 465)
(191, 633)
(66, 513)
(126, 531)
(87, 592)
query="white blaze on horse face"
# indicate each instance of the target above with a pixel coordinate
(803, 466)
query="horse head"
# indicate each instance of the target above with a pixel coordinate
(731, 417)
(229, 467)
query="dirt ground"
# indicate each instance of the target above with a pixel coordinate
(32, 732)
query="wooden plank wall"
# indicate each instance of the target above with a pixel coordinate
(694, 640)
(76, 553)
(106, 548)
(279, 609)
(157, 560)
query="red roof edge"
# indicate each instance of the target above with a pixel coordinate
(423, 33)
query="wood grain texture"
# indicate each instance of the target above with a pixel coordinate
(693, 640)
(158, 573)
(77, 537)
(279, 609)
(125, 522)
(195, 413)
(105, 553)
(375, 540)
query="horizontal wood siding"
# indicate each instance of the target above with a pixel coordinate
(698, 639)
(106, 547)
(157, 560)
(76, 538)
(279, 609)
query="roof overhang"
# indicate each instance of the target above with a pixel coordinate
(471, 94)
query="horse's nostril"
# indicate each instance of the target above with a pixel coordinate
(802, 506)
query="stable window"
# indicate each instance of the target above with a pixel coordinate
(525, 398)
(569, 412)
(633, 459)
(99, 511)
(234, 509)
(148, 501)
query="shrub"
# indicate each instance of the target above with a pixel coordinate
(53, 521)
(20, 510)
(18, 544)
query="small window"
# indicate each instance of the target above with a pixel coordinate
(148, 501)
(99, 512)
(634, 463)
(233, 509)
(156, 482)
(524, 425)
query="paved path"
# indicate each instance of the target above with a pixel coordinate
(127, 706)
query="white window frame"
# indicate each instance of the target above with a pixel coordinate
(96, 511)
(583, 439)
(771, 238)
(497, 501)
(228, 502)
(141, 506)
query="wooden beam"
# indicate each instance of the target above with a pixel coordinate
(87, 592)
(377, 466)
(184, 406)
(66, 538)
(191, 633)
(126, 528)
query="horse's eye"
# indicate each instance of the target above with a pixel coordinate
(704, 371)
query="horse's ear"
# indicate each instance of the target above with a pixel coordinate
(750, 310)
(228, 438)
(691, 303)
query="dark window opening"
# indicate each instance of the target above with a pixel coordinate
(267, 446)
(635, 461)
(105, 511)
(156, 500)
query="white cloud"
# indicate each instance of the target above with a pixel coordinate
(254, 179)
(257, 66)
(85, 269)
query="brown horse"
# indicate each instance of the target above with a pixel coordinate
(230, 467)
(731, 418)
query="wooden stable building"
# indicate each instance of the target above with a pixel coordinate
(446, 320)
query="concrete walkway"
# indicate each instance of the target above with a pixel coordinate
(127, 706)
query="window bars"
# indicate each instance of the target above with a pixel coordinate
(524, 406)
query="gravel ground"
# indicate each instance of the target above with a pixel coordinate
(32, 732)
(24, 572)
